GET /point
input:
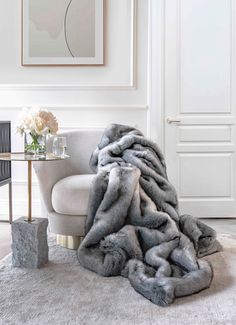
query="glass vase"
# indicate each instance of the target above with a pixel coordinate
(35, 144)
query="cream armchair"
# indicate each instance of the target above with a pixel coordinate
(65, 187)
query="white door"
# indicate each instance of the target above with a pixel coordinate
(200, 90)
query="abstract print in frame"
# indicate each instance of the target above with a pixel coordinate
(62, 32)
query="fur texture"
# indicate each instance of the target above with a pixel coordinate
(134, 227)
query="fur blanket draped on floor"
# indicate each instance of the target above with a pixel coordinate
(134, 227)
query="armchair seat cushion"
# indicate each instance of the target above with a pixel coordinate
(70, 195)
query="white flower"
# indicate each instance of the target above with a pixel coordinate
(49, 120)
(36, 121)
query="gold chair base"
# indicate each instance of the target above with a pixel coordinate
(70, 242)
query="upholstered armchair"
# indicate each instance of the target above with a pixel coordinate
(65, 186)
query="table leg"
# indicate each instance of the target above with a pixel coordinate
(29, 191)
(10, 202)
(35, 253)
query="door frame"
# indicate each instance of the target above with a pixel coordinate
(156, 72)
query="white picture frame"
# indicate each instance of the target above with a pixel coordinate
(74, 37)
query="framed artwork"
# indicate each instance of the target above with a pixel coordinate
(62, 32)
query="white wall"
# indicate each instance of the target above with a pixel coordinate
(79, 96)
(151, 55)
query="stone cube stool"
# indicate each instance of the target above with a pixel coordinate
(29, 243)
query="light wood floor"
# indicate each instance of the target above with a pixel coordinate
(220, 225)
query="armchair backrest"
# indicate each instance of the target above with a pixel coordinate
(80, 145)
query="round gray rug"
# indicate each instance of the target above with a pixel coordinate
(64, 293)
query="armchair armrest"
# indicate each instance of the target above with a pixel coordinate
(48, 174)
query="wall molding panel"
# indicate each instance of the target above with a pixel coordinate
(131, 85)
(82, 107)
(81, 97)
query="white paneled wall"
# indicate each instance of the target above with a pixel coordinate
(80, 97)
(163, 58)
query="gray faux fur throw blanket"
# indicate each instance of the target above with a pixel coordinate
(134, 227)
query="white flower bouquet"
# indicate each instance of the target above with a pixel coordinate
(35, 123)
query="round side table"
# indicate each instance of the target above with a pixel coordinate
(19, 156)
(30, 231)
